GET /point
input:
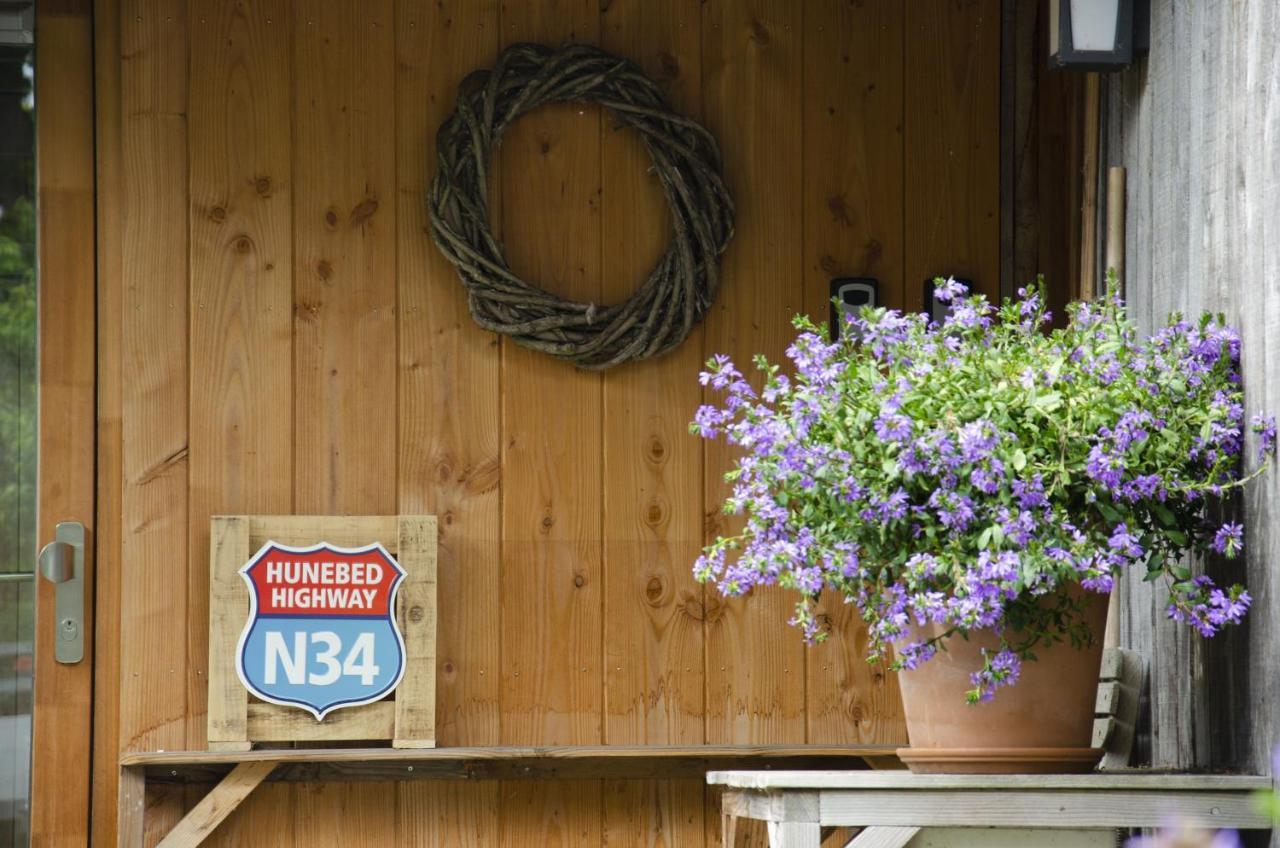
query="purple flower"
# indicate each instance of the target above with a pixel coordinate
(999, 670)
(1124, 542)
(1105, 467)
(1265, 427)
(1030, 493)
(893, 427)
(949, 289)
(1229, 540)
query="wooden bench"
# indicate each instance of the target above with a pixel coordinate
(891, 807)
(235, 775)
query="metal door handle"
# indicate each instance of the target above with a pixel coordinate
(62, 563)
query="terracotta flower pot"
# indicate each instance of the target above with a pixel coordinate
(1041, 724)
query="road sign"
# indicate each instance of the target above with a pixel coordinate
(321, 633)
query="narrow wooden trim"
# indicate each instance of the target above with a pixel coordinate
(228, 605)
(884, 837)
(217, 805)
(131, 815)
(414, 724)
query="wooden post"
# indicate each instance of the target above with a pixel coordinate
(1089, 191)
(1115, 223)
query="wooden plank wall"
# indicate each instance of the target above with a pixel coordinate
(1194, 124)
(278, 334)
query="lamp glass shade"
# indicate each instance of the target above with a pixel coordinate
(1094, 24)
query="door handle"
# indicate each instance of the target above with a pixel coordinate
(61, 562)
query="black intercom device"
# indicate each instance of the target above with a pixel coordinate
(937, 309)
(853, 293)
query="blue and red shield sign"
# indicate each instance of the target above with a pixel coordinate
(321, 633)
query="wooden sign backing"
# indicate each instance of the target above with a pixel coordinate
(406, 717)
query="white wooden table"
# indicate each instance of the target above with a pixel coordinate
(891, 807)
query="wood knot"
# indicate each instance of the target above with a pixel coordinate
(655, 512)
(363, 211)
(855, 712)
(306, 311)
(244, 244)
(331, 218)
(443, 471)
(839, 208)
(547, 521)
(416, 613)
(324, 270)
(871, 252)
(482, 477)
(544, 147)
(448, 667)
(655, 590)
(579, 580)
(217, 214)
(657, 449)
(262, 185)
(759, 33)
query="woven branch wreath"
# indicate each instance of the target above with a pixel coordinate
(680, 288)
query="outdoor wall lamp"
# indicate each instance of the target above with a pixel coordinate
(1097, 35)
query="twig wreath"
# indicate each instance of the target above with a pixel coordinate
(682, 285)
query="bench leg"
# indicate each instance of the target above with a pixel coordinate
(884, 837)
(795, 835)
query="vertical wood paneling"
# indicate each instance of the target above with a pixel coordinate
(853, 219)
(153, 638)
(449, 421)
(752, 92)
(344, 403)
(155, 381)
(109, 517)
(61, 727)
(241, 285)
(653, 646)
(550, 184)
(1172, 713)
(752, 97)
(344, 258)
(552, 686)
(241, 196)
(952, 181)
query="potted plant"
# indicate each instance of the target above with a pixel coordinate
(973, 487)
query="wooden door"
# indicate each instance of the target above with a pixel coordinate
(61, 743)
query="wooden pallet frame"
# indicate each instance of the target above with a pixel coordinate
(406, 717)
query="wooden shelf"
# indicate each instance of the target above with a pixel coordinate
(503, 763)
(236, 774)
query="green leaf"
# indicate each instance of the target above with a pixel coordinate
(1048, 402)
(1019, 460)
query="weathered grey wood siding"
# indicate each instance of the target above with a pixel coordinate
(1197, 124)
